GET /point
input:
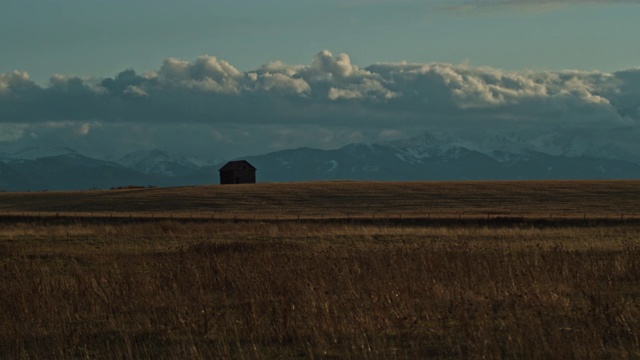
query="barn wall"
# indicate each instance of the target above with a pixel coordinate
(238, 177)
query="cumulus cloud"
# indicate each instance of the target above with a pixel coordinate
(331, 91)
(213, 91)
(206, 73)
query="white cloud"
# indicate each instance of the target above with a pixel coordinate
(329, 93)
(205, 73)
(14, 81)
(135, 90)
(339, 68)
(330, 89)
(282, 83)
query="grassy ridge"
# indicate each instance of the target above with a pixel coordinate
(606, 198)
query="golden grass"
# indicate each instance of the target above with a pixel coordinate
(365, 199)
(176, 289)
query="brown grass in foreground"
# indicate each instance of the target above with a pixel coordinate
(171, 289)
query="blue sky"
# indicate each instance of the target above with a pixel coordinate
(101, 38)
(87, 41)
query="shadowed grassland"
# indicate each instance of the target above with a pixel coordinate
(180, 288)
(530, 198)
(177, 289)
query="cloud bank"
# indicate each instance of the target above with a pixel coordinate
(331, 95)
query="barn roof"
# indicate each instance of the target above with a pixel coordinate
(236, 165)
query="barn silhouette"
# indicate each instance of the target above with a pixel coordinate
(237, 172)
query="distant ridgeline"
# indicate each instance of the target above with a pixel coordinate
(420, 158)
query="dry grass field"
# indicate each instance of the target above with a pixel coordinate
(132, 286)
(344, 198)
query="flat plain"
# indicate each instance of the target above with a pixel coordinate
(500, 270)
(346, 198)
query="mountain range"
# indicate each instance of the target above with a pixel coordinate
(429, 156)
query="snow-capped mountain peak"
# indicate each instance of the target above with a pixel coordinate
(559, 144)
(430, 156)
(413, 150)
(144, 156)
(504, 142)
(573, 145)
(506, 147)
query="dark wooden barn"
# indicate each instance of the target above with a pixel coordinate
(237, 172)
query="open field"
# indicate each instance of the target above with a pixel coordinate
(595, 199)
(140, 287)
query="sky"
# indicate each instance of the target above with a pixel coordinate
(222, 78)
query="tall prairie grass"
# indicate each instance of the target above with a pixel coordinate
(254, 290)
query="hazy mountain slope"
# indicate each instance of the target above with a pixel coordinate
(158, 162)
(73, 171)
(12, 180)
(37, 152)
(423, 157)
